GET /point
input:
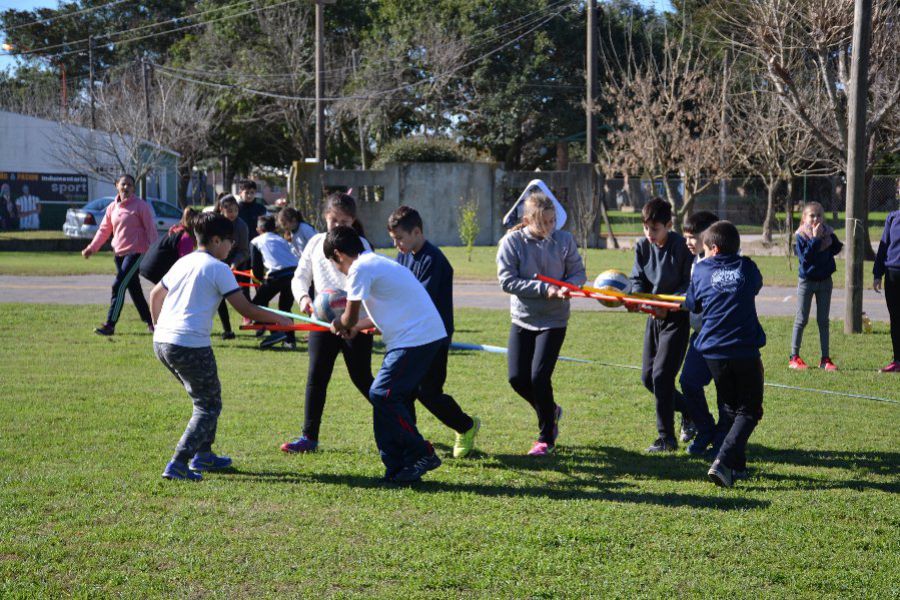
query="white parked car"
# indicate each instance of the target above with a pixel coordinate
(82, 222)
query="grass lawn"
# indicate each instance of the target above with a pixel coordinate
(87, 424)
(776, 270)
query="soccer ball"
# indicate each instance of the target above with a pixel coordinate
(329, 304)
(614, 280)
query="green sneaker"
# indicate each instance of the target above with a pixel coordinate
(465, 442)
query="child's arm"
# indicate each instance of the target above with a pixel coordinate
(103, 232)
(256, 262)
(691, 301)
(574, 265)
(880, 267)
(149, 225)
(344, 325)
(836, 245)
(240, 252)
(639, 282)
(157, 296)
(508, 274)
(252, 311)
(303, 280)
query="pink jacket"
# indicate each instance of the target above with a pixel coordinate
(131, 224)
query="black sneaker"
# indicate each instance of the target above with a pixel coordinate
(663, 444)
(720, 475)
(414, 472)
(688, 429)
(273, 339)
(105, 329)
(228, 335)
(701, 443)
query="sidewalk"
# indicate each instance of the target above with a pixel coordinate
(95, 289)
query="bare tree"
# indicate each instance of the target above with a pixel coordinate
(804, 46)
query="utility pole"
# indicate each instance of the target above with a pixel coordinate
(91, 82)
(856, 164)
(359, 124)
(320, 76)
(145, 69)
(591, 68)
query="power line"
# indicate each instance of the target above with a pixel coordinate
(48, 20)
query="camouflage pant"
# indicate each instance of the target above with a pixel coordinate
(196, 369)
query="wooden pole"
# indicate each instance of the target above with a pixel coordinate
(856, 164)
(91, 83)
(591, 75)
(320, 84)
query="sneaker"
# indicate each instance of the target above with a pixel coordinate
(826, 364)
(150, 327)
(208, 461)
(105, 329)
(289, 345)
(299, 445)
(663, 444)
(228, 335)
(720, 475)
(541, 449)
(797, 363)
(275, 338)
(465, 442)
(688, 429)
(557, 415)
(176, 469)
(701, 442)
(414, 472)
(894, 367)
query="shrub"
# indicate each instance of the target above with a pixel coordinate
(423, 149)
(469, 227)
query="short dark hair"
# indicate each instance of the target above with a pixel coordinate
(125, 176)
(226, 201)
(699, 222)
(657, 211)
(289, 213)
(405, 218)
(344, 239)
(248, 184)
(209, 225)
(267, 223)
(723, 235)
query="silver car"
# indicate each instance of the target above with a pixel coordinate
(82, 222)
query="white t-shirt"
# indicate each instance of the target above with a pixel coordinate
(27, 204)
(397, 302)
(315, 268)
(196, 284)
(276, 252)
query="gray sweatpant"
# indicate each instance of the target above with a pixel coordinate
(196, 369)
(806, 289)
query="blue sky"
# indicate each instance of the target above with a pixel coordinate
(6, 62)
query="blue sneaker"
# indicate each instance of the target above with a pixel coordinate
(701, 441)
(300, 445)
(414, 472)
(176, 469)
(208, 461)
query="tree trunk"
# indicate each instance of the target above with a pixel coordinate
(604, 214)
(184, 179)
(769, 221)
(789, 208)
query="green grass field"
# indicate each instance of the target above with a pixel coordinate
(776, 270)
(87, 424)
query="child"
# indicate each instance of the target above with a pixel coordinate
(296, 231)
(178, 243)
(662, 265)
(433, 270)
(412, 332)
(323, 347)
(129, 220)
(274, 263)
(723, 290)
(887, 265)
(695, 373)
(183, 304)
(817, 245)
(238, 257)
(540, 312)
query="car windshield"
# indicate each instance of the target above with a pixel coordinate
(98, 204)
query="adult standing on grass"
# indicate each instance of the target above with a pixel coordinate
(9, 214)
(130, 223)
(249, 211)
(29, 207)
(887, 267)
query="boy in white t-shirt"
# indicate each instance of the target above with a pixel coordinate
(412, 330)
(182, 306)
(273, 262)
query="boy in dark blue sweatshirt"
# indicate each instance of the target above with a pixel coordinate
(887, 266)
(433, 271)
(662, 265)
(723, 290)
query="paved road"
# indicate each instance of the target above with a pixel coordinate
(95, 289)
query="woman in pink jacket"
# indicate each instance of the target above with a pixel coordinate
(129, 220)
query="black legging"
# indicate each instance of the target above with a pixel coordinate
(276, 287)
(323, 348)
(892, 297)
(531, 359)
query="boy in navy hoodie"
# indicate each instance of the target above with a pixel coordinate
(723, 290)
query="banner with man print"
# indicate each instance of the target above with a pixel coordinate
(25, 196)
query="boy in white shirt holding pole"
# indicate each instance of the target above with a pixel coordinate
(412, 330)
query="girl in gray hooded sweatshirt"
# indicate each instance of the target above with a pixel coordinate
(540, 311)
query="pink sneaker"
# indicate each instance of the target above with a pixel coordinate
(797, 363)
(894, 367)
(540, 449)
(826, 364)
